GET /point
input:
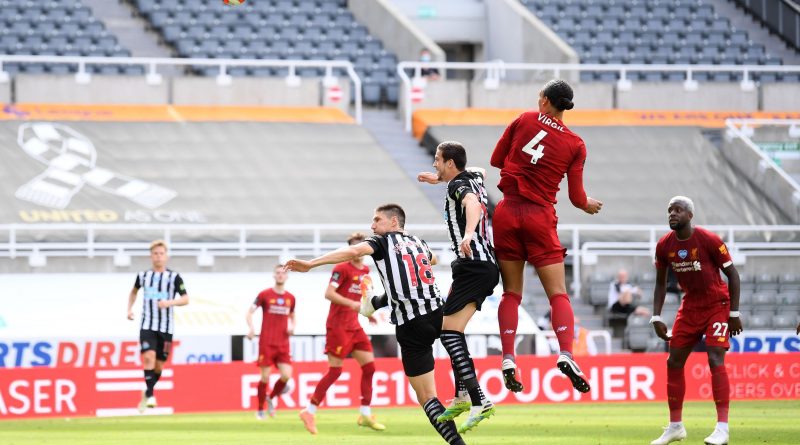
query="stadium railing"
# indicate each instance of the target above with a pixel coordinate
(495, 71)
(285, 240)
(152, 77)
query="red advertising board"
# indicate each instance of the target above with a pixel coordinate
(48, 392)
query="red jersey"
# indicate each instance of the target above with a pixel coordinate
(534, 153)
(276, 309)
(696, 263)
(347, 279)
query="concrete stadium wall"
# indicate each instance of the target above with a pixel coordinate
(5, 93)
(394, 29)
(101, 90)
(593, 96)
(346, 86)
(244, 91)
(780, 97)
(673, 96)
(514, 34)
(441, 94)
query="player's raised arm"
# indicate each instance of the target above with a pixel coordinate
(340, 255)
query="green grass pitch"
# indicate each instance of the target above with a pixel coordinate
(752, 423)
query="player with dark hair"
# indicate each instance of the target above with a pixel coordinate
(404, 263)
(475, 273)
(709, 308)
(344, 335)
(277, 324)
(159, 287)
(533, 155)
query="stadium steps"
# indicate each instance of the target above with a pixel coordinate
(388, 130)
(757, 32)
(635, 170)
(120, 19)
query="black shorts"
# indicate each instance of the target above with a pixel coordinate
(473, 281)
(161, 342)
(416, 339)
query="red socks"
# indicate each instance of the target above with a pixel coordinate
(322, 387)
(676, 388)
(563, 321)
(278, 388)
(508, 319)
(367, 371)
(721, 390)
(262, 395)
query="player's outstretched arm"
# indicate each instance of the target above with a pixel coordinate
(340, 255)
(659, 295)
(131, 301)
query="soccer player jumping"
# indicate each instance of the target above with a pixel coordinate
(709, 308)
(475, 273)
(533, 155)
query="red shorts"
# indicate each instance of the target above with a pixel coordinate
(341, 342)
(691, 324)
(269, 355)
(526, 231)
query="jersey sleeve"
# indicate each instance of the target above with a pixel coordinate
(457, 189)
(718, 251)
(661, 261)
(376, 242)
(258, 302)
(137, 284)
(338, 276)
(294, 302)
(577, 195)
(427, 250)
(180, 288)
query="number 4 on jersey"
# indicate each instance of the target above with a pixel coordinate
(532, 149)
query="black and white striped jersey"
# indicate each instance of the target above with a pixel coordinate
(158, 286)
(404, 264)
(456, 216)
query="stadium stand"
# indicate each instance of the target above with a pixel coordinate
(654, 32)
(661, 161)
(57, 28)
(276, 29)
(255, 173)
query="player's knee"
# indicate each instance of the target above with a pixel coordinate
(512, 298)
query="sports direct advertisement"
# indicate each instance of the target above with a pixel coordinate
(90, 391)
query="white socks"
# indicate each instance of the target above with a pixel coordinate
(722, 426)
(311, 408)
(365, 411)
(675, 424)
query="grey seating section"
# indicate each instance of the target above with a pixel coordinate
(55, 28)
(255, 179)
(635, 151)
(637, 333)
(653, 32)
(275, 29)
